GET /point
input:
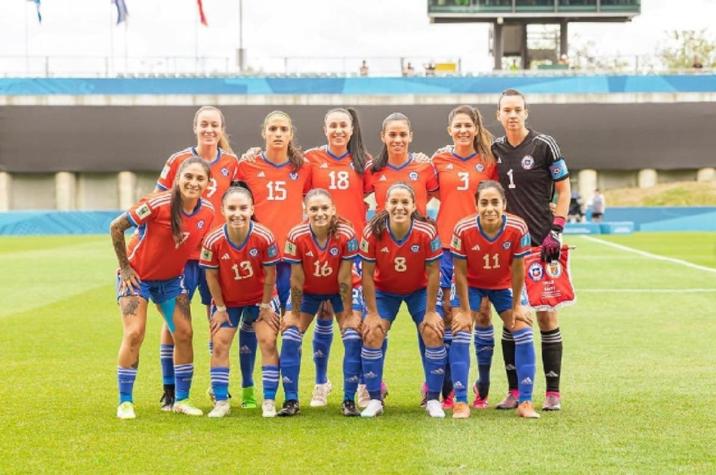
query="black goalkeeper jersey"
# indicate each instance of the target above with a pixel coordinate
(528, 172)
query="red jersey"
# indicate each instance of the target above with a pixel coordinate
(152, 252)
(346, 186)
(320, 264)
(459, 178)
(278, 193)
(420, 176)
(240, 265)
(400, 265)
(489, 260)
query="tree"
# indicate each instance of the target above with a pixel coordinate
(687, 48)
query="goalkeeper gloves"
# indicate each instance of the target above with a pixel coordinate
(552, 243)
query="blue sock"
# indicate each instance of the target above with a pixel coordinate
(247, 354)
(220, 383)
(125, 382)
(525, 362)
(435, 359)
(183, 374)
(290, 361)
(460, 364)
(322, 339)
(166, 358)
(269, 380)
(447, 383)
(421, 348)
(372, 364)
(351, 363)
(484, 348)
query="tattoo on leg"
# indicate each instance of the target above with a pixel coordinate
(345, 290)
(183, 305)
(129, 306)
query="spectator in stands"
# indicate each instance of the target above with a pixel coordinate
(598, 205)
(430, 69)
(408, 70)
(364, 68)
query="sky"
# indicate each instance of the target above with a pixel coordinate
(80, 36)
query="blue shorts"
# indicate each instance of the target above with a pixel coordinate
(501, 299)
(389, 304)
(446, 269)
(157, 291)
(246, 314)
(312, 302)
(195, 277)
(283, 282)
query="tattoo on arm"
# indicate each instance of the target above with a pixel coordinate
(129, 306)
(345, 290)
(119, 225)
(183, 306)
(296, 298)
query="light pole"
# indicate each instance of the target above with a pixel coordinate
(241, 53)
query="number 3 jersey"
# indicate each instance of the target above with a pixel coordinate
(400, 264)
(240, 265)
(489, 259)
(320, 263)
(528, 173)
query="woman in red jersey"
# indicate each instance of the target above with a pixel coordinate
(240, 262)
(170, 226)
(400, 251)
(489, 248)
(321, 253)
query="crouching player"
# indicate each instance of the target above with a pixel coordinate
(401, 252)
(240, 262)
(170, 226)
(321, 254)
(489, 248)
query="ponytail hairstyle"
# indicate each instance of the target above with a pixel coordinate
(177, 202)
(335, 219)
(382, 158)
(379, 223)
(241, 188)
(356, 147)
(224, 143)
(295, 154)
(487, 184)
(483, 138)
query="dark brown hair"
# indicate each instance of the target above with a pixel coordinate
(295, 154)
(511, 92)
(177, 202)
(379, 223)
(483, 138)
(382, 159)
(486, 184)
(356, 147)
(335, 219)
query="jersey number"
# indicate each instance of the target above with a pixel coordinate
(495, 261)
(242, 270)
(465, 179)
(323, 270)
(510, 174)
(276, 190)
(400, 264)
(339, 180)
(211, 189)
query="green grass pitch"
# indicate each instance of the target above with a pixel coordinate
(638, 380)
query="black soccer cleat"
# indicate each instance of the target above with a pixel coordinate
(349, 409)
(290, 408)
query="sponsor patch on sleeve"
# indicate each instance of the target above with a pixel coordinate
(435, 244)
(526, 240)
(456, 243)
(272, 251)
(352, 245)
(144, 211)
(558, 169)
(364, 246)
(206, 254)
(290, 248)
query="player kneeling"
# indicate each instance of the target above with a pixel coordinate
(401, 251)
(240, 259)
(489, 248)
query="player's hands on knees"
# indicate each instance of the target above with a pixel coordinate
(218, 318)
(521, 314)
(350, 320)
(128, 279)
(250, 155)
(371, 321)
(270, 318)
(290, 319)
(461, 322)
(432, 323)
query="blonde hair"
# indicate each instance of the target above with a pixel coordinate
(224, 143)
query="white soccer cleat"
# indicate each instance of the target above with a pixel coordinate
(269, 408)
(362, 396)
(434, 408)
(221, 409)
(373, 409)
(185, 407)
(320, 394)
(126, 411)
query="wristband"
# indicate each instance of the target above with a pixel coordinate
(221, 308)
(265, 306)
(558, 224)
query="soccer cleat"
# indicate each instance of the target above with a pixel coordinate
(221, 409)
(423, 394)
(268, 408)
(290, 408)
(510, 402)
(248, 398)
(478, 403)
(363, 396)
(461, 411)
(373, 409)
(526, 409)
(126, 411)
(167, 400)
(185, 407)
(320, 394)
(449, 400)
(349, 408)
(434, 408)
(552, 402)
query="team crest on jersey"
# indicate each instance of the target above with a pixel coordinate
(535, 272)
(293, 176)
(457, 243)
(528, 162)
(480, 167)
(290, 248)
(225, 171)
(144, 211)
(413, 176)
(415, 248)
(253, 252)
(554, 269)
(200, 224)
(506, 245)
(334, 251)
(206, 254)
